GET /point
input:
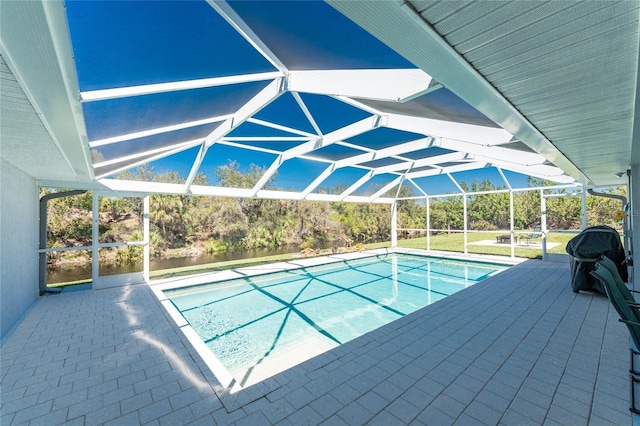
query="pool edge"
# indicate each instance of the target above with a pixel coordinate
(224, 377)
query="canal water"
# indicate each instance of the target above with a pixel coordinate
(83, 272)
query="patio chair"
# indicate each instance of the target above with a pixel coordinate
(533, 235)
(617, 272)
(628, 309)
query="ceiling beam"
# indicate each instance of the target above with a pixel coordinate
(306, 112)
(356, 185)
(174, 86)
(143, 158)
(230, 15)
(446, 170)
(280, 127)
(158, 130)
(430, 161)
(400, 27)
(388, 187)
(145, 155)
(386, 152)
(271, 92)
(491, 152)
(268, 174)
(481, 135)
(386, 85)
(346, 132)
(317, 181)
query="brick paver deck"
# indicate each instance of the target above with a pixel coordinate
(518, 348)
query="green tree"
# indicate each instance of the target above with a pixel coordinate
(487, 211)
(526, 207)
(130, 254)
(230, 224)
(69, 219)
(231, 176)
(411, 213)
(365, 222)
(600, 209)
(447, 213)
(166, 214)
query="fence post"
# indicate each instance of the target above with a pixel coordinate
(511, 223)
(394, 224)
(146, 252)
(428, 224)
(95, 236)
(464, 208)
(543, 223)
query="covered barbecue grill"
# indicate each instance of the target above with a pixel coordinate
(584, 250)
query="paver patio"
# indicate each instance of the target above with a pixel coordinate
(518, 348)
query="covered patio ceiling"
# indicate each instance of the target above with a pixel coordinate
(337, 100)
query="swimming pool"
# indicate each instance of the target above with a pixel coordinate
(260, 325)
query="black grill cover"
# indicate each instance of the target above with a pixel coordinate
(584, 250)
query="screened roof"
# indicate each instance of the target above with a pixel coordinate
(301, 89)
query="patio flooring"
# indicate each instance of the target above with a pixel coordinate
(518, 348)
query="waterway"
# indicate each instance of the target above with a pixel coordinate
(83, 272)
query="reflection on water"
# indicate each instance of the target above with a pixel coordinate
(83, 272)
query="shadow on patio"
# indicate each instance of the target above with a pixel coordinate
(518, 348)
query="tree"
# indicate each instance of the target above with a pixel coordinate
(69, 219)
(487, 211)
(231, 176)
(412, 213)
(447, 213)
(165, 214)
(231, 225)
(365, 222)
(526, 209)
(214, 223)
(600, 209)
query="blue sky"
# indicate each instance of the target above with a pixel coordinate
(128, 43)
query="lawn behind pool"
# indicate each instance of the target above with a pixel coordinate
(453, 242)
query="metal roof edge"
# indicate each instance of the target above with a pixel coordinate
(399, 26)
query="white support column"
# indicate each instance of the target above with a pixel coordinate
(428, 224)
(146, 253)
(633, 242)
(512, 224)
(464, 212)
(394, 224)
(543, 223)
(583, 208)
(634, 213)
(95, 236)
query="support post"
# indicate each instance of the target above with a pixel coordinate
(634, 222)
(512, 224)
(44, 230)
(428, 224)
(583, 208)
(95, 236)
(146, 253)
(464, 212)
(543, 223)
(394, 224)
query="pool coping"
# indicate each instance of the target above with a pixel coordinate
(230, 392)
(248, 271)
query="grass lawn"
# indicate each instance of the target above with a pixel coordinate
(69, 283)
(452, 242)
(455, 242)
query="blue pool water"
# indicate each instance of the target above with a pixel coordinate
(263, 324)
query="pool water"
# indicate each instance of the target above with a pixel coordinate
(257, 326)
